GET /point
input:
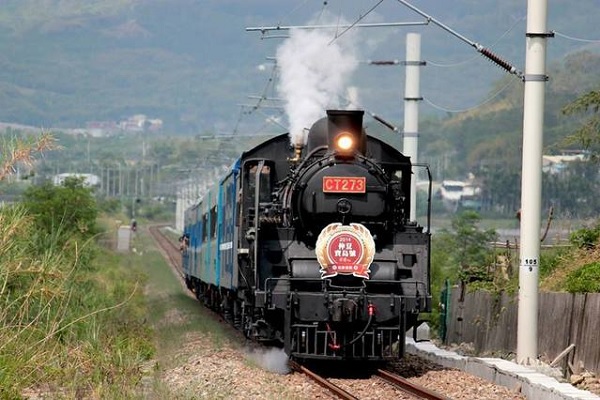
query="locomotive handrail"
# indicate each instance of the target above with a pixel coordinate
(430, 190)
(259, 168)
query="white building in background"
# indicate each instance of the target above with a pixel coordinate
(458, 195)
(557, 164)
(89, 180)
(451, 190)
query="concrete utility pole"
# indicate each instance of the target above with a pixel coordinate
(531, 185)
(411, 110)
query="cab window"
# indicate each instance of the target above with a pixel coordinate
(264, 182)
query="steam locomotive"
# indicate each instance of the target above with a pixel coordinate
(310, 246)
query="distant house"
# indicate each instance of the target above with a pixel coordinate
(135, 123)
(140, 123)
(89, 180)
(557, 164)
(459, 195)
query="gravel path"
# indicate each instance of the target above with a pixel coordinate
(231, 372)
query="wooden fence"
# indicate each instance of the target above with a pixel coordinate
(489, 322)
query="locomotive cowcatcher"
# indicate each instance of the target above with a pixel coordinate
(310, 246)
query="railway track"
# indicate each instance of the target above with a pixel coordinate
(407, 387)
(333, 388)
(171, 252)
(169, 249)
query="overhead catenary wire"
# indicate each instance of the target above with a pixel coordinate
(325, 3)
(302, 4)
(576, 38)
(492, 97)
(249, 109)
(468, 60)
(365, 25)
(360, 18)
(483, 50)
(270, 119)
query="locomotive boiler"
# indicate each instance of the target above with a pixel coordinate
(311, 247)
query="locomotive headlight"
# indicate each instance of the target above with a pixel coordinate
(344, 142)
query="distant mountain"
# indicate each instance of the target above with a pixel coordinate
(190, 63)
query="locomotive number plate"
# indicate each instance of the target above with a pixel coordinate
(344, 184)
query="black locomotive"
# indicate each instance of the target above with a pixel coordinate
(311, 247)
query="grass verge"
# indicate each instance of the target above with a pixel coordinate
(176, 317)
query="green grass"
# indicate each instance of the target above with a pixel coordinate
(73, 317)
(174, 312)
(176, 318)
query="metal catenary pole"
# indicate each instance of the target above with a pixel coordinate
(412, 98)
(531, 185)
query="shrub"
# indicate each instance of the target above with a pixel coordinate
(585, 279)
(68, 209)
(586, 238)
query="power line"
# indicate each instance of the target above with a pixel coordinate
(483, 50)
(445, 109)
(576, 38)
(360, 18)
(369, 25)
(459, 63)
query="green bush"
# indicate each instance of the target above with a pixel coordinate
(550, 259)
(586, 238)
(585, 279)
(109, 205)
(67, 209)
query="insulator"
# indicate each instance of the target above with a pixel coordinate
(496, 59)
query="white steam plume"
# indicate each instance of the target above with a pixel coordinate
(273, 360)
(314, 73)
(352, 97)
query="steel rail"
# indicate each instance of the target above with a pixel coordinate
(168, 248)
(338, 391)
(408, 386)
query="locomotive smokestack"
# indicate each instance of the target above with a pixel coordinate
(297, 141)
(297, 153)
(345, 131)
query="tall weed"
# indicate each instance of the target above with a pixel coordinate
(71, 317)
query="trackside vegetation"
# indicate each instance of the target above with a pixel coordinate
(462, 253)
(72, 313)
(462, 256)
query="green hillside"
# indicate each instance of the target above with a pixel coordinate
(68, 62)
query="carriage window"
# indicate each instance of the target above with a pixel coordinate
(265, 184)
(213, 222)
(204, 228)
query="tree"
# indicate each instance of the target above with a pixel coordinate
(69, 208)
(466, 247)
(589, 133)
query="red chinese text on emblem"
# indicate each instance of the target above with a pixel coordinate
(344, 251)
